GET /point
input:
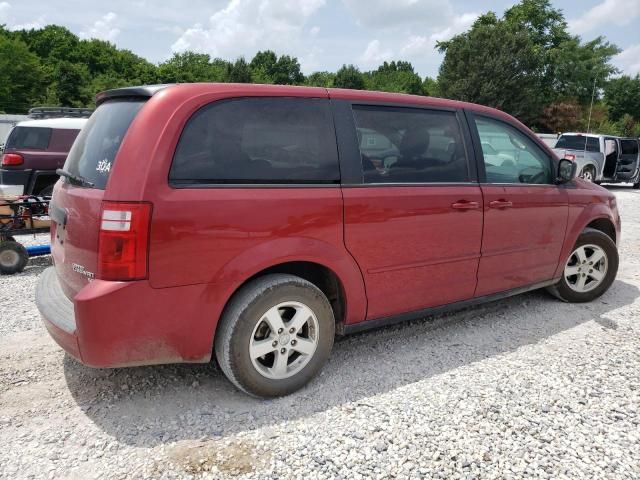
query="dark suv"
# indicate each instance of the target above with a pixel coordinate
(33, 151)
(252, 223)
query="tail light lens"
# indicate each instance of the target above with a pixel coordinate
(124, 241)
(570, 156)
(12, 160)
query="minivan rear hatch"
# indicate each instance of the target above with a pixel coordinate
(77, 201)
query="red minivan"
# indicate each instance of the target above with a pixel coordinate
(255, 222)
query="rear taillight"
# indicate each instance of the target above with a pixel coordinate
(124, 241)
(570, 156)
(12, 160)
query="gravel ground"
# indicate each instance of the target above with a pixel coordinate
(528, 387)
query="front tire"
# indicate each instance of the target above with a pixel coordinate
(636, 186)
(275, 335)
(590, 269)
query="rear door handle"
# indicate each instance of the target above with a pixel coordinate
(501, 204)
(465, 205)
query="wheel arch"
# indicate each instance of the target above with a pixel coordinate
(328, 267)
(596, 216)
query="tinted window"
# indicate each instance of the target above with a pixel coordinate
(629, 147)
(578, 142)
(514, 157)
(407, 145)
(36, 138)
(258, 140)
(94, 151)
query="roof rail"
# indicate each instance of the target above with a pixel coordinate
(59, 112)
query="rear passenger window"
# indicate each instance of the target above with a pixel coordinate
(36, 138)
(258, 140)
(410, 145)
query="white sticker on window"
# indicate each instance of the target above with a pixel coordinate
(104, 166)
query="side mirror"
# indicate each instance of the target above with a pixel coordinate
(566, 171)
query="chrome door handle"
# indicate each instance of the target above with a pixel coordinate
(465, 205)
(501, 204)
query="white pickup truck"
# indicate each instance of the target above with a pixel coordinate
(602, 158)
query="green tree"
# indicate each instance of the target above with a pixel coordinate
(524, 61)
(430, 87)
(394, 77)
(267, 67)
(495, 65)
(321, 79)
(187, 67)
(622, 96)
(22, 78)
(349, 77)
(70, 83)
(238, 72)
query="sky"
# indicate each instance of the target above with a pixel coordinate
(323, 34)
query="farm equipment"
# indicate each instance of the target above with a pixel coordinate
(26, 215)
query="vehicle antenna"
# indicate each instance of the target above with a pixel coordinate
(593, 94)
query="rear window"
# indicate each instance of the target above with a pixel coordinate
(578, 142)
(629, 147)
(36, 138)
(94, 151)
(258, 140)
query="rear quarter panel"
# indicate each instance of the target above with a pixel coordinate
(222, 236)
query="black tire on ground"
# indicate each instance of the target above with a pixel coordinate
(590, 236)
(591, 173)
(13, 257)
(246, 310)
(636, 186)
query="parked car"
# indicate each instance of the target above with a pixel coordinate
(33, 151)
(602, 158)
(247, 222)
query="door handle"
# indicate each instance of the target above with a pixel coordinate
(501, 204)
(465, 205)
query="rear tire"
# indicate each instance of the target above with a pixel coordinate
(589, 174)
(590, 269)
(46, 191)
(287, 319)
(13, 257)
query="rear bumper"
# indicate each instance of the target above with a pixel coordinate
(14, 182)
(118, 324)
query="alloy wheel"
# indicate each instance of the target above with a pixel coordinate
(284, 340)
(586, 268)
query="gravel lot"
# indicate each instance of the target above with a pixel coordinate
(528, 387)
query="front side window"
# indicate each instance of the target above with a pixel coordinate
(410, 145)
(258, 140)
(510, 156)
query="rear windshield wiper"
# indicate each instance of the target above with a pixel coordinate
(75, 179)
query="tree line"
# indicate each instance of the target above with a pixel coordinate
(525, 63)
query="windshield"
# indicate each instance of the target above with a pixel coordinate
(578, 142)
(95, 149)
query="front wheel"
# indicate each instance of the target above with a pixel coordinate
(590, 269)
(636, 186)
(275, 335)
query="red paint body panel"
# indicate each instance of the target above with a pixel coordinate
(521, 244)
(394, 249)
(414, 249)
